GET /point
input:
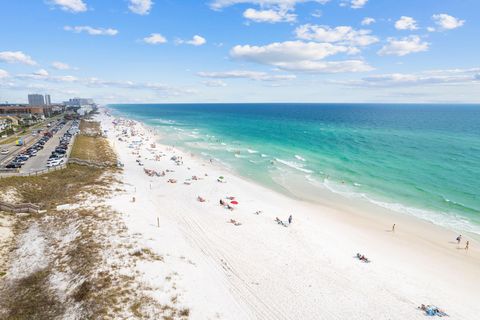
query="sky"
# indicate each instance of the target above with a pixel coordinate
(155, 51)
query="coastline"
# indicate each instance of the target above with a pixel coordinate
(415, 264)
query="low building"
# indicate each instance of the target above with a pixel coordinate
(38, 112)
(4, 124)
(8, 123)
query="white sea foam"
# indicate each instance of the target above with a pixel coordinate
(164, 121)
(252, 151)
(294, 165)
(444, 219)
(239, 156)
(263, 155)
(451, 221)
(300, 158)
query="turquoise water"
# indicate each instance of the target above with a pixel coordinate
(423, 160)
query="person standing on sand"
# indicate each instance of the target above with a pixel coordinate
(290, 218)
(459, 238)
(466, 246)
(393, 228)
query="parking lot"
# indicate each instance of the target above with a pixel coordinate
(39, 162)
(48, 150)
(33, 134)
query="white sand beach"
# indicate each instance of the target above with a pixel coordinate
(260, 269)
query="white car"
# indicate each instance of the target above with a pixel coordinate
(54, 163)
(4, 151)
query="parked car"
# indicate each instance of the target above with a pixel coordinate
(13, 165)
(54, 163)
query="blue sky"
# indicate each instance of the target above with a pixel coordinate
(241, 50)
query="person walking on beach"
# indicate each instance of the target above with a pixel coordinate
(290, 218)
(466, 246)
(459, 238)
(393, 228)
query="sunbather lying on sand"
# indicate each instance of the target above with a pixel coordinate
(432, 310)
(235, 222)
(361, 257)
(172, 181)
(281, 222)
(201, 199)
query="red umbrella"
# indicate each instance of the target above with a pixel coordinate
(234, 202)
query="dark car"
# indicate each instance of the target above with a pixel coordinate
(13, 165)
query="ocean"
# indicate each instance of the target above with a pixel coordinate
(418, 159)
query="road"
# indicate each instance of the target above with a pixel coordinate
(39, 162)
(13, 149)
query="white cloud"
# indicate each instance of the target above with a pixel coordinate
(220, 4)
(214, 83)
(300, 56)
(431, 77)
(16, 57)
(447, 22)
(70, 5)
(368, 21)
(270, 15)
(141, 7)
(92, 31)
(404, 46)
(430, 29)
(65, 79)
(35, 80)
(342, 35)
(3, 74)
(195, 41)
(357, 4)
(317, 14)
(245, 74)
(406, 23)
(41, 73)
(155, 38)
(61, 65)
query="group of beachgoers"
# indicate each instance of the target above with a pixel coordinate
(459, 240)
(177, 159)
(284, 223)
(153, 173)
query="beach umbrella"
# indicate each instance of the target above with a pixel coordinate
(234, 202)
(221, 177)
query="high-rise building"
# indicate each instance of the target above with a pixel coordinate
(79, 102)
(47, 100)
(36, 100)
